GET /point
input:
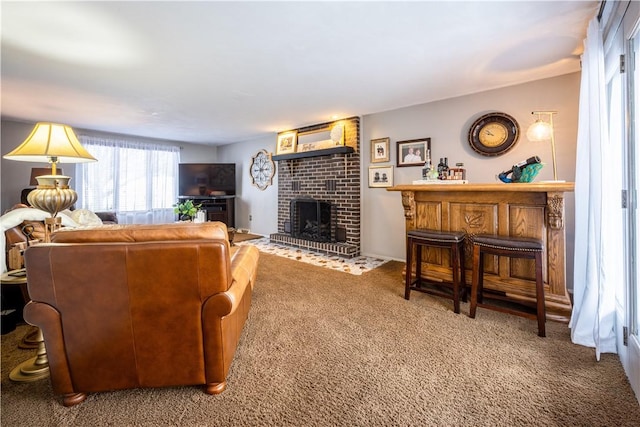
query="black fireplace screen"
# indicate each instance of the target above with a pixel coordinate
(313, 219)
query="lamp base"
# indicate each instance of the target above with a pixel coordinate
(52, 195)
(35, 368)
(29, 371)
(51, 225)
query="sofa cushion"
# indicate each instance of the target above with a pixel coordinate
(142, 233)
(85, 217)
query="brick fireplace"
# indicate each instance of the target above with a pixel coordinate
(328, 180)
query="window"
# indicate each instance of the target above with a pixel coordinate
(137, 180)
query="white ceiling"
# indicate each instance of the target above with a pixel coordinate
(223, 72)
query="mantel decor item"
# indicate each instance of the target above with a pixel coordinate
(412, 152)
(287, 142)
(380, 150)
(493, 134)
(320, 137)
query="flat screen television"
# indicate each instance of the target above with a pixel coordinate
(206, 179)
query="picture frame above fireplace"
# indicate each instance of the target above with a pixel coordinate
(287, 142)
(412, 152)
(380, 176)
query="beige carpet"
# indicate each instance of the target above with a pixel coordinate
(324, 348)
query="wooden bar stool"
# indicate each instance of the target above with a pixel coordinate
(452, 240)
(513, 247)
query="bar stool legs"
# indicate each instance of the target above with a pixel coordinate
(515, 248)
(446, 240)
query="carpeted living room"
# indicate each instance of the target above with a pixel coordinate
(327, 213)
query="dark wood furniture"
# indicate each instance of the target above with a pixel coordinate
(436, 239)
(218, 208)
(534, 210)
(511, 247)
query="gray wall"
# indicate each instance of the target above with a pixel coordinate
(251, 202)
(16, 175)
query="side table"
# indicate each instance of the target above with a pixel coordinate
(37, 367)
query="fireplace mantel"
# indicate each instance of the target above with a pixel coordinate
(315, 153)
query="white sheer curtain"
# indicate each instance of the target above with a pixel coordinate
(138, 180)
(593, 318)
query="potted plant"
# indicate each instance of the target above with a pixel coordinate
(186, 210)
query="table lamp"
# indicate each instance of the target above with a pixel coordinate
(541, 130)
(53, 143)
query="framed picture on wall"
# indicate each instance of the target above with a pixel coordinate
(381, 176)
(287, 142)
(412, 152)
(379, 150)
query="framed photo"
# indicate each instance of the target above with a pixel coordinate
(381, 176)
(287, 142)
(380, 150)
(413, 152)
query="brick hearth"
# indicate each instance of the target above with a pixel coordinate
(340, 249)
(333, 178)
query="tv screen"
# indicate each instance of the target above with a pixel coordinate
(207, 179)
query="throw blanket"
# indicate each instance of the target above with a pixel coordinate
(16, 217)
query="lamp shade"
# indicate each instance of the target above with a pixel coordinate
(539, 131)
(51, 142)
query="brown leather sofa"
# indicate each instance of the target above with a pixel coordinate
(139, 306)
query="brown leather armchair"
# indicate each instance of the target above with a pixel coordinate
(139, 306)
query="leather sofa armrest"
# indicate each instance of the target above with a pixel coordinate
(244, 264)
(244, 267)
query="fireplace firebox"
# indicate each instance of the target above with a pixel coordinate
(313, 220)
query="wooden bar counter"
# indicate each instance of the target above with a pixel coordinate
(527, 210)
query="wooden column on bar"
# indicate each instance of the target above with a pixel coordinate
(526, 210)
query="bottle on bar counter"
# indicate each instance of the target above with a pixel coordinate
(443, 172)
(426, 169)
(459, 172)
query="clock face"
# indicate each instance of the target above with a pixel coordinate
(493, 134)
(262, 170)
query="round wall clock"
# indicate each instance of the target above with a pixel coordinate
(262, 169)
(494, 134)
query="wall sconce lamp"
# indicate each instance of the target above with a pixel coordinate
(542, 130)
(53, 143)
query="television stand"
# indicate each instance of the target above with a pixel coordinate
(218, 208)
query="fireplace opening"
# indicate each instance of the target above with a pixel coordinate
(313, 220)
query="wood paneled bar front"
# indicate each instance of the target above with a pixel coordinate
(526, 210)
